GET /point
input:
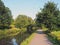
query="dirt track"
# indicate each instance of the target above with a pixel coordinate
(40, 39)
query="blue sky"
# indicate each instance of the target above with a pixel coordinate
(26, 7)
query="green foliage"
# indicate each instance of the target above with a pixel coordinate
(9, 33)
(54, 37)
(49, 16)
(23, 21)
(26, 41)
(5, 16)
(56, 34)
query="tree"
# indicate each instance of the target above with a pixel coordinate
(39, 19)
(58, 21)
(48, 16)
(23, 21)
(5, 16)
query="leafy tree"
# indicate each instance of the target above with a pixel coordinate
(5, 16)
(48, 16)
(58, 21)
(23, 21)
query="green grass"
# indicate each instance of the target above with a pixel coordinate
(54, 37)
(26, 41)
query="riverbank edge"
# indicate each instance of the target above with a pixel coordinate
(26, 41)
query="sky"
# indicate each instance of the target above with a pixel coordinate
(26, 7)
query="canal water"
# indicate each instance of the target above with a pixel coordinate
(13, 41)
(17, 40)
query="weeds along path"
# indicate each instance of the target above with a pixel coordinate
(40, 39)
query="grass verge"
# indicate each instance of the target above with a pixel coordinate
(54, 38)
(26, 41)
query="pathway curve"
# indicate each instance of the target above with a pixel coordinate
(40, 39)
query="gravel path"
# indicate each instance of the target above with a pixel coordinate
(40, 39)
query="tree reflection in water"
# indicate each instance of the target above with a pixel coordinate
(14, 41)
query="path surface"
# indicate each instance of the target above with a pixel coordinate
(40, 39)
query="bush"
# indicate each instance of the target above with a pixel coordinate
(9, 32)
(56, 34)
(54, 37)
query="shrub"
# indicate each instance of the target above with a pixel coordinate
(9, 32)
(54, 37)
(56, 34)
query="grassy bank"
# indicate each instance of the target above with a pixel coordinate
(54, 37)
(26, 41)
(21, 35)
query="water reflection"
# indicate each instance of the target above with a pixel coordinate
(14, 41)
(17, 40)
